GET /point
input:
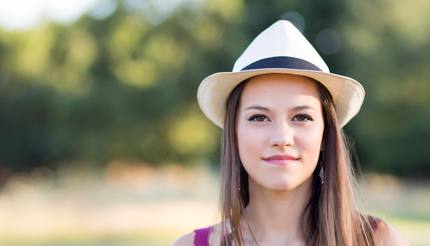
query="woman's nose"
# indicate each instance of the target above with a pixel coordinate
(282, 135)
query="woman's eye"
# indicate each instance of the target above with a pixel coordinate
(303, 117)
(257, 117)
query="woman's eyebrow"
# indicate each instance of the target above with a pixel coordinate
(296, 108)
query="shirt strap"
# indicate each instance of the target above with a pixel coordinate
(201, 236)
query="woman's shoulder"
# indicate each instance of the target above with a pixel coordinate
(385, 233)
(210, 233)
(185, 240)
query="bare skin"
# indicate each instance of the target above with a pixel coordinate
(279, 193)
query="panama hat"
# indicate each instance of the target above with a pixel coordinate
(281, 48)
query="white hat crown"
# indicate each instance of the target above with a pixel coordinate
(281, 39)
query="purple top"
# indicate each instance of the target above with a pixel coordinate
(201, 237)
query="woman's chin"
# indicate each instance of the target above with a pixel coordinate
(282, 184)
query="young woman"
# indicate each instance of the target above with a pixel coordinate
(286, 173)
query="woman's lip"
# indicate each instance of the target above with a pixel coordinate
(280, 157)
(281, 162)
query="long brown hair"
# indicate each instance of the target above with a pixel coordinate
(331, 217)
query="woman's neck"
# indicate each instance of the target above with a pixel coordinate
(275, 216)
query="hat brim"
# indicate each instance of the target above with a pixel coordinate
(347, 93)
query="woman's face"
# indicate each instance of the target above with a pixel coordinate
(279, 114)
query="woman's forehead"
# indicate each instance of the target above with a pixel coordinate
(280, 90)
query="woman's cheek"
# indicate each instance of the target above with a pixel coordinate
(310, 144)
(250, 145)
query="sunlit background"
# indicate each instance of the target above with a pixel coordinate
(101, 138)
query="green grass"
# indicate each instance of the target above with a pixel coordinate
(160, 238)
(136, 209)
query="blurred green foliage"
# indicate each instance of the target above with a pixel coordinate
(124, 87)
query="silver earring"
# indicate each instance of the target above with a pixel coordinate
(322, 175)
(320, 162)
